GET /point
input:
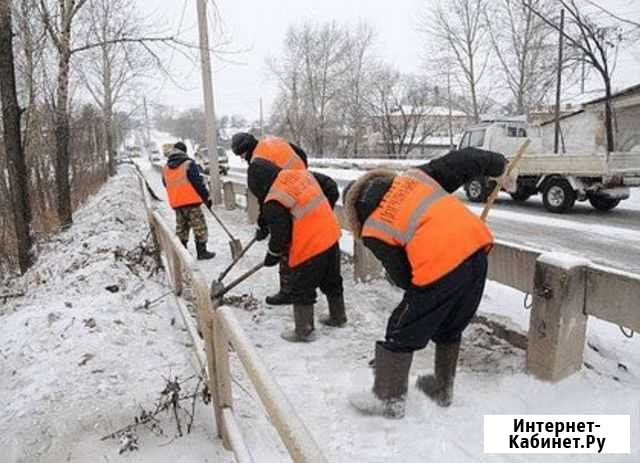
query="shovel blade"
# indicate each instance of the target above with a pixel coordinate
(236, 248)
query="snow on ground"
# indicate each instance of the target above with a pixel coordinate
(78, 361)
(317, 377)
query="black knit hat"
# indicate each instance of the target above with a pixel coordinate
(242, 143)
(180, 146)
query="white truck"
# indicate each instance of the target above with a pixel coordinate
(562, 179)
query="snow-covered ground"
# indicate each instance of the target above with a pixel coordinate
(58, 402)
(78, 361)
(318, 377)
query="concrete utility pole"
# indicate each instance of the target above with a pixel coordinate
(209, 106)
(556, 138)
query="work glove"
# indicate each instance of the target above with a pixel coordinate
(262, 233)
(271, 259)
(208, 203)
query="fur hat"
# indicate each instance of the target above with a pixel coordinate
(357, 191)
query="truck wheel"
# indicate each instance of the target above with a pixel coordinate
(520, 196)
(477, 190)
(603, 204)
(558, 196)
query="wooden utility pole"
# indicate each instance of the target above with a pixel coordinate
(209, 105)
(556, 138)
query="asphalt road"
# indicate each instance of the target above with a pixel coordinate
(608, 238)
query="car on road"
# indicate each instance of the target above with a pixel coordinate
(154, 156)
(202, 156)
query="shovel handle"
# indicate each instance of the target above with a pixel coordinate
(239, 280)
(494, 194)
(215, 216)
(235, 261)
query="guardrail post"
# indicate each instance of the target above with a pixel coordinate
(222, 373)
(229, 196)
(253, 209)
(365, 264)
(558, 324)
(177, 272)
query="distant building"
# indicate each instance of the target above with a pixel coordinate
(583, 129)
(428, 129)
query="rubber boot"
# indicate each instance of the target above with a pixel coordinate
(304, 326)
(203, 254)
(389, 392)
(337, 314)
(439, 387)
(283, 296)
(184, 243)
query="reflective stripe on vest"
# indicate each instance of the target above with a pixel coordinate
(179, 189)
(315, 226)
(278, 151)
(437, 231)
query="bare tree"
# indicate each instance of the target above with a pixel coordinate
(310, 77)
(400, 106)
(109, 68)
(597, 46)
(60, 18)
(460, 25)
(358, 83)
(18, 174)
(289, 115)
(525, 51)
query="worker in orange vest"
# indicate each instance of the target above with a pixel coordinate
(435, 249)
(186, 192)
(285, 155)
(297, 208)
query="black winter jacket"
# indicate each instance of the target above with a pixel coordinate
(260, 177)
(176, 158)
(451, 171)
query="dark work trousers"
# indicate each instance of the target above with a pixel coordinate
(439, 311)
(321, 271)
(285, 274)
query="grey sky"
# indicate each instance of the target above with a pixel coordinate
(259, 26)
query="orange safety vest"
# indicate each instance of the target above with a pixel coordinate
(278, 151)
(315, 226)
(179, 189)
(436, 229)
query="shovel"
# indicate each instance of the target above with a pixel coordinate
(234, 243)
(218, 289)
(512, 165)
(235, 261)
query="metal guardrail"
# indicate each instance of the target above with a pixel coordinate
(218, 329)
(565, 291)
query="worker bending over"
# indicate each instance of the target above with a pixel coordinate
(296, 207)
(435, 249)
(186, 192)
(285, 155)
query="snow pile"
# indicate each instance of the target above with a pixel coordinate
(84, 351)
